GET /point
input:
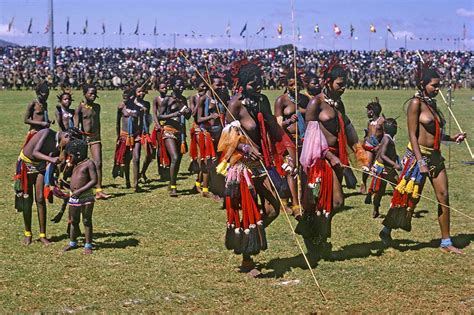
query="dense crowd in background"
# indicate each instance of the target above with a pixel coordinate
(111, 68)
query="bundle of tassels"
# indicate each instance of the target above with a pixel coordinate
(246, 236)
(164, 158)
(406, 192)
(147, 143)
(193, 150)
(130, 142)
(20, 185)
(320, 185)
(119, 157)
(49, 182)
(184, 145)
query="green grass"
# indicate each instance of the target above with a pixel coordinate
(157, 254)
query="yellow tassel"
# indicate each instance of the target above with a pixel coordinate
(401, 186)
(222, 168)
(416, 190)
(409, 187)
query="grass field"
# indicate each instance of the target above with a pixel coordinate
(156, 254)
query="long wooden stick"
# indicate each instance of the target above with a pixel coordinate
(457, 123)
(449, 109)
(269, 178)
(424, 197)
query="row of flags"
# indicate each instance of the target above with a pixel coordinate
(84, 29)
(243, 33)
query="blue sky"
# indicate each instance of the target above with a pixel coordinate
(435, 20)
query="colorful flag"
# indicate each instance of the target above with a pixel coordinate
(352, 31)
(86, 26)
(154, 30)
(389, 29)
(244, 29)
(137, 28)
(46, 29)
(103, 28)
(337, 30)
(280, 29)
(372, 28)
(120, 28)
(261, 30)
(298, 33)
(10, 25)
(227, 29)
(316, 28)
(30, 25)
(67, 26)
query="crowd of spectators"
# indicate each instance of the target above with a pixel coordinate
(112, 68)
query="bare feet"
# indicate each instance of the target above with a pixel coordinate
(143, 178)
(173, 192)
(363, 190)
(375, 214)
(217, 198)
(87, 251)
(452, 250)
(69, 247)
(27, 240)
(296, 211)
(247, 265)
(45, 241)
(206, 194)
(101, 195)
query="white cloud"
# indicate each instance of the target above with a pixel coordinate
(402, 34)
(465, 13)
(13, 32)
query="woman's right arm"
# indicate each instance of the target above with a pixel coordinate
(413, 120)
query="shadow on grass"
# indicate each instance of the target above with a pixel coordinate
(419, 214)
(95, 236)
(150, 186)
(280, 266)
(188, 192)
(460, 241)
(103, 240)
(116, 195)
(114, 185)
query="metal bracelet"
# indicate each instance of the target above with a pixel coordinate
(246, 149)
(421, 163)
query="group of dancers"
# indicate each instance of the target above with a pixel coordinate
(254, 158)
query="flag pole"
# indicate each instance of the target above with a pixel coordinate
(51, 37)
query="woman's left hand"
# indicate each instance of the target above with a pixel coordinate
(459, 137)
